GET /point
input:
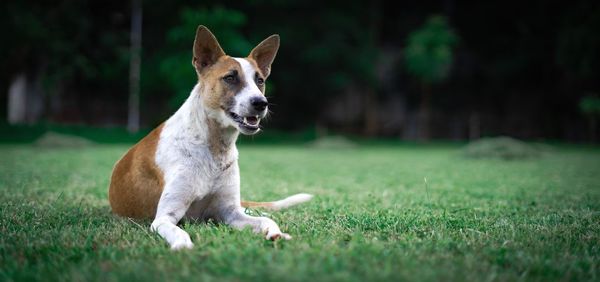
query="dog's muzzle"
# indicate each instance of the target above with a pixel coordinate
(247, 116)
(246, 124)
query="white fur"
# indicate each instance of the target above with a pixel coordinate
(291, 201)
(198, 184)
(249, 91)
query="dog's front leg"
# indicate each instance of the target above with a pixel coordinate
(263, 225)
(172, 206)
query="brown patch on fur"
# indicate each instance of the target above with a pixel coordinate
(216, 93)
(137, 182)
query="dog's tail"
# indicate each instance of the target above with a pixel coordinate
(281, 204)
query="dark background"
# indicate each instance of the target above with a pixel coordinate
(527, 69)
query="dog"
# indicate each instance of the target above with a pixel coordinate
(188, 166)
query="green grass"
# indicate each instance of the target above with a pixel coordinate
(373, 219)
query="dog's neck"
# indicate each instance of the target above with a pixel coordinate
(201, 127)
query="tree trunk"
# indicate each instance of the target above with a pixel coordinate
(17, 100)
(25, 98)
(133, 118)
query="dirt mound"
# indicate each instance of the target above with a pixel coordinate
(57, 140)
(503, 147)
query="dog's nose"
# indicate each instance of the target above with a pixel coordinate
(259, 103)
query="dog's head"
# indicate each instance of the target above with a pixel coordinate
(233, 89)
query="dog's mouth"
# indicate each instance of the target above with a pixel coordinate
(247, 124)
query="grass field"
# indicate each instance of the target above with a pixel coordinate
(374, 218)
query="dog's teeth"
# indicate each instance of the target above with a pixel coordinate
(245, 120)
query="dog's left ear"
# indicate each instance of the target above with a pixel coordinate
(265, 52)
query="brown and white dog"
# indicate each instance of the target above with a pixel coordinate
(188, 166)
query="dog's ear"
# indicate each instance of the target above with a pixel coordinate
(264, 53)
(206, 49)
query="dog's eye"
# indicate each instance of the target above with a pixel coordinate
(260, 81)
(230, 78)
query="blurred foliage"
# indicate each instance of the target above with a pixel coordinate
(515, 60)
(590, 105)
(576, 49)
(67, 41)
(428, 53)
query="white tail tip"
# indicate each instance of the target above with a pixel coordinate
(291, 201)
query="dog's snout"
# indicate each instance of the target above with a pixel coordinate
(259, 103)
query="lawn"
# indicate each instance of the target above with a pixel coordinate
(381, 213)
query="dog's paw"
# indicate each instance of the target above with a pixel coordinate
(182, 244)
(277, 234)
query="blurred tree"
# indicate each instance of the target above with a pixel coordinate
(64, 53)
(590, 107)
(428, 56)
(577, 43)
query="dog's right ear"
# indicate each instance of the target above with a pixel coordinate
(206, 49)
